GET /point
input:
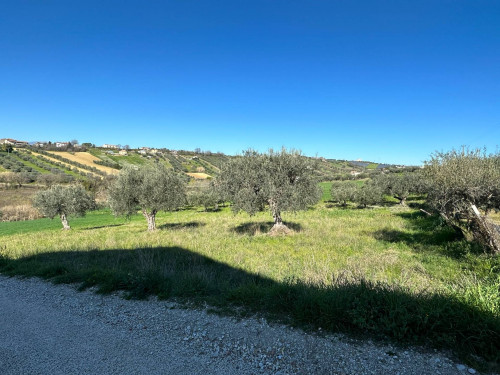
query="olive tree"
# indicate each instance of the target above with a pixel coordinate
(464, 186)
(368, 194)
(281, 181)
(204, 193)
(63, 201)
(343, 191)
(149, 189)
(399, 185)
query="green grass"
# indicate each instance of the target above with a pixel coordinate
(372, 166)
(386, 272)
(30, 164)
(326, 187)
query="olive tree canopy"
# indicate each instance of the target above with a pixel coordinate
(63, 201)
(464, 188)
(282, 181)
(343, 191)
(400, 185)
(150, 188)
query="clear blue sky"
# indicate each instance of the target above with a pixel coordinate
(387, 81)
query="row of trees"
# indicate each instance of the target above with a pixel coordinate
(396, 185)
(462, 187)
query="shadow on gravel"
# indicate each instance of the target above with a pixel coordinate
(354, 306)
(253, 228)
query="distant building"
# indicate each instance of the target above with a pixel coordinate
(62, 144)
(110, 146)
(123, 152)
(355, 173)
(13, 142)
(40, 144)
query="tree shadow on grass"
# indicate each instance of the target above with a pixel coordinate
(354, 306)
(428, 233)
(103, 226)
(253, 228)
(176, 226)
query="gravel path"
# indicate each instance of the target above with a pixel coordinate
(52, 329)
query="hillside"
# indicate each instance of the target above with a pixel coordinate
(199, 165)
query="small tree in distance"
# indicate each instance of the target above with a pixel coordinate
(342, 192)
(63, 201)
(150, 189)
(368, 194)
(282, 181)
(400, 185)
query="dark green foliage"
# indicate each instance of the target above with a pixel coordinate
(342, 192)
(284, 181)
(149, 188)
(401, 185)
(63, 201)
(368, 194)
(460, 180)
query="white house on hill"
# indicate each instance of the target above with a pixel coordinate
(13, 142)
(110, 146)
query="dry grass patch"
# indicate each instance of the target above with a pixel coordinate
(19, 213)
(17, 197)
(199, 176)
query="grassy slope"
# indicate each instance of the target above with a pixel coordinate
(29, 164)
(385, 270)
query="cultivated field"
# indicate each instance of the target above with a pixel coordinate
(384, 272)
(85, 158)
(61, 162)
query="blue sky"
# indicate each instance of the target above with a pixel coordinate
(386, 81)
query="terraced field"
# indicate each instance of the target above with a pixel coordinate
(85, 158)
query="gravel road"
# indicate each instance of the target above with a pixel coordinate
(53, 329)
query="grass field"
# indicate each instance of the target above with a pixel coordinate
(386, 272)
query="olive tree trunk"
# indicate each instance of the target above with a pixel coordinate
(278, 227)
(151, 219)
(402, 200)
(486, 232)
(64, 221)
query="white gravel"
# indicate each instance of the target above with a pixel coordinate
(53, 329)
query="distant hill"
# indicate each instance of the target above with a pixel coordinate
(95, 161)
